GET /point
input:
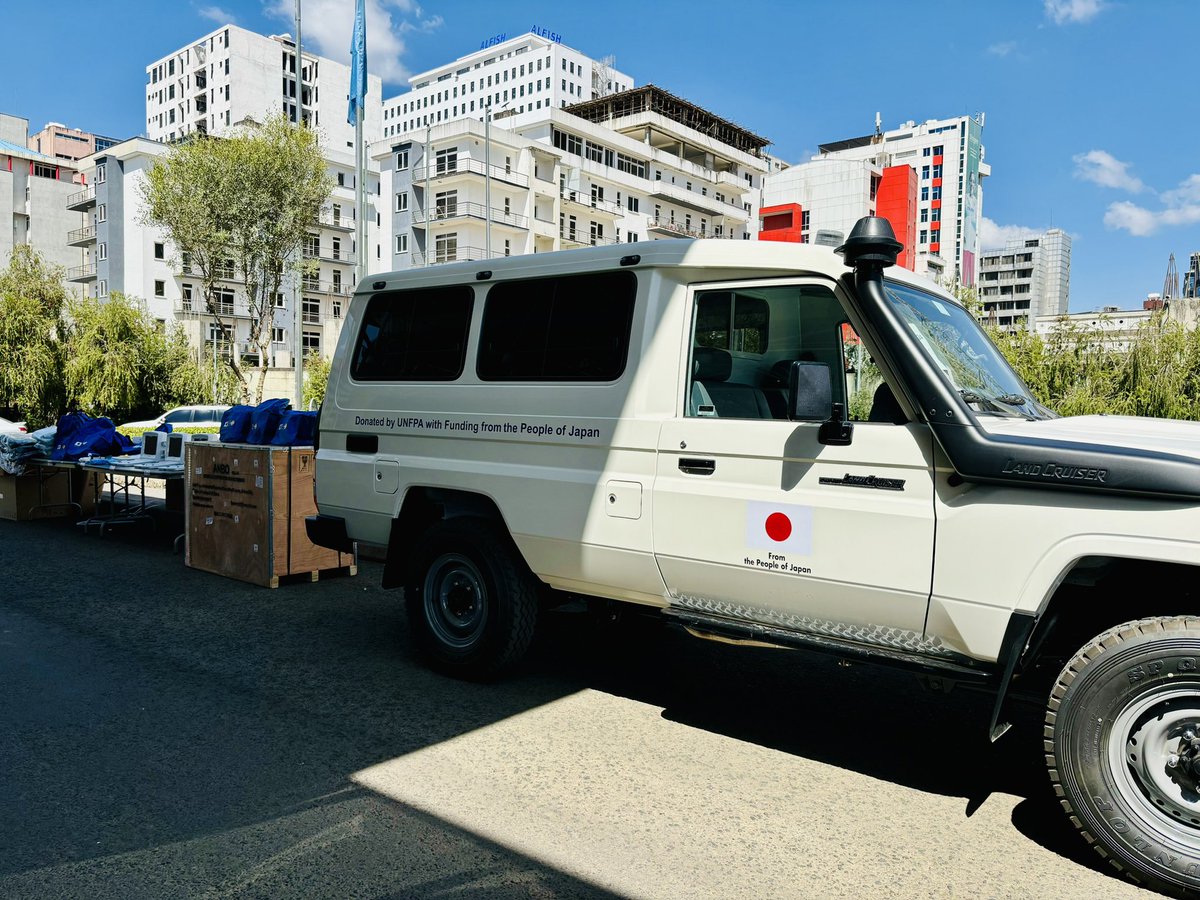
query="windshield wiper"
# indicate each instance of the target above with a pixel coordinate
(992, 404)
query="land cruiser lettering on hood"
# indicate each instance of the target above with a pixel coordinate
(1054, 471)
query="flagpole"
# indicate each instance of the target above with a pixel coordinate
(360, 183)
(297, 289)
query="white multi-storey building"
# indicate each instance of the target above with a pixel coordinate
(1030, 278)
(232, 75)
(948, 157)
(524, 77)
(638, 165)
(118, 252)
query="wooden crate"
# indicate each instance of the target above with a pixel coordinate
(245, 511)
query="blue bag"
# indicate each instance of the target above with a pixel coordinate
(264, 421)
(78, 435)
(296, 429)
(235, 424)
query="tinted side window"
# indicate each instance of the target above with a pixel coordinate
(180, 416)
(414, 335)
(573, 328)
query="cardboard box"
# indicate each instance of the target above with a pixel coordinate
(245, 511)
(20, 498)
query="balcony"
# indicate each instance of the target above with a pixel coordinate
(82, 200)
(705, 204)
(329, 220)
(586, 201)
(82, 273)
(449, 212)
(81, 236)
(580, 238)
(195, 309)
(332, 288)
(468, 167)
(458, 254)
(680, 230)
(336, 255)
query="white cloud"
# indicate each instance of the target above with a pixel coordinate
(1065, 11)
(217, 14)
(993, 236)
(1104, 169)
(1141, 222)
(1002, 49)
(1188, 193)
(327, 25)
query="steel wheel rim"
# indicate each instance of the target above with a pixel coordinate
(1144, 738)
(455, 601)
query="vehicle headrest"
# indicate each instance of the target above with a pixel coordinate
(711, 364)
(777, 377)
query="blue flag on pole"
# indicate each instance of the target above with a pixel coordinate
(358, 64)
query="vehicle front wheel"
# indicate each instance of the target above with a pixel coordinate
(1123, 749)
(471, 600)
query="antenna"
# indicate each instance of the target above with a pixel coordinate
(878, 124)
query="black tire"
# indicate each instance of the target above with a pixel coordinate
(471, 600)
(1118, 752)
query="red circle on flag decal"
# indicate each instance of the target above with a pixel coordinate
(779, 527)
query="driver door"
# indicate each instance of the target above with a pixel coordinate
(754, 518)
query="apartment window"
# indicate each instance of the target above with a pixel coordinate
(102, 250)
(402, 243)
(159, 250)
(571, 328)
(924, 215)
(101, 173)
(924, 236)
(226, 92)
(102, 288)
(280, 301)
(939, 150)
(402, 201)
(937, 193)
(341, 178)
(187, 297)
(924, 173)
(631, 238)
(160, 288)
(102, 212)
(310, 311)
(446, 247)
(446, 204)
(277, 336)
(937, 171)
(924, 151)
(924, 193)
(447, 161)
(568, 142)
(311, 342)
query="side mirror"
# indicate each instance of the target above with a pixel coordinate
(810, 399)
(810, 392)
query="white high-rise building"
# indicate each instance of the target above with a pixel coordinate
(232, 75)
(948, 157)
(1027, 279)
(639, 165)
(522, 78)
(119, 252)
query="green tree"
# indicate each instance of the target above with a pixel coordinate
(316, 377)
(31, 353)
(120, 362)
(244, 202)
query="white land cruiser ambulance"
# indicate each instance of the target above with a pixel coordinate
(682, 424)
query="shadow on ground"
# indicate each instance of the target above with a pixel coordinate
(160, 724)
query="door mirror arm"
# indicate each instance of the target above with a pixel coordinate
(837, 431)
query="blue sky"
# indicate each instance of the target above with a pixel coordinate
(1092, 123)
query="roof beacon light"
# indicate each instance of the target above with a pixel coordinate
(871, 241)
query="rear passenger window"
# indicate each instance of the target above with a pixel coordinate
(574, 328)
(414, 335)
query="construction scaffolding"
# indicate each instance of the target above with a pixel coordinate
(652, 99)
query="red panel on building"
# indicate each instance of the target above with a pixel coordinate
(937, 160)
(896, 201)
(935, 248)
(935, 226)
(781, 223)
(935, 204)
(937, 182)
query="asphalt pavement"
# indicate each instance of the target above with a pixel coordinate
(165, 732)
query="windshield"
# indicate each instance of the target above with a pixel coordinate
(957, 345)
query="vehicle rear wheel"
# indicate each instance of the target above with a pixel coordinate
(471, 600)
(1123, 749)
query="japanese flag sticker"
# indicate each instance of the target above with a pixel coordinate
(779, 527)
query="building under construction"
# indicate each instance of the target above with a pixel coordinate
(620, 112)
